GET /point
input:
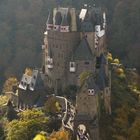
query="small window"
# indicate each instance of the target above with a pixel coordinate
(86, 63)
(34, 77)
(72, 65)
(21, 82)
(32, 84)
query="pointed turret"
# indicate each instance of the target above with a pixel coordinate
(91, 86)
(50, 21)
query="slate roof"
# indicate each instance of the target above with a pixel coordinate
(87, 26)
(58, 18)
(39, 82)
(102, 79)
(65, 21)
(90, 82)
(83, 52)
(50, 18)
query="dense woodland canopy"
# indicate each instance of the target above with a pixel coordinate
(22, 23)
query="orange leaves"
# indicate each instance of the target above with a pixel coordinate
(59, 135)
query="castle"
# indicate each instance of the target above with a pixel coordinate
(74, 43)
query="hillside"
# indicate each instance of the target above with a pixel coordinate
(23, 22)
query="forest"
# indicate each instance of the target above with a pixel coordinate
(22, 24)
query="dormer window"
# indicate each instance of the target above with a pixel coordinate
(72, 67)
(34, 77)
(64, 29)
(91, 92)
(21, 82)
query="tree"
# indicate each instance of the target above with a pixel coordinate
(1, 132)
(52, 105)
(84, 75)
(29, 124)
(121, 123)
(39, 137)
(3, 100)
(9, 83)
(70, 92)
(59, 135)
(134, 131)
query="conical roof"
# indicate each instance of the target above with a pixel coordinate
(83, 52)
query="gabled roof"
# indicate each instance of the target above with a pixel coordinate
(83, 52)
(90, 83)
(35, 82)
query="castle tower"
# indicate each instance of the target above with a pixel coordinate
(88, 111)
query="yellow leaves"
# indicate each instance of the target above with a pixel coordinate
(116, 61)
(58, 106)
(109, 54)
(83, 76)
(28, 72)
(119, 71)
(3, 100)
(109, 57)
(59, 135)
(9, 83)
(39, 137)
